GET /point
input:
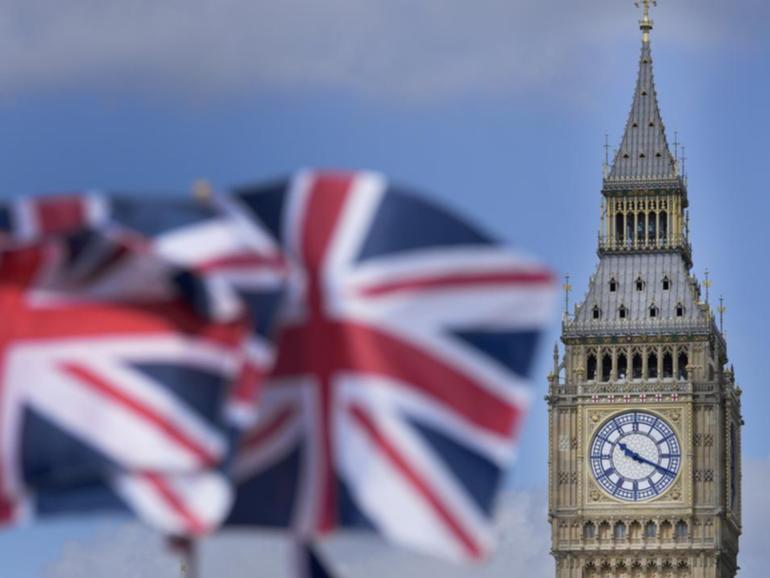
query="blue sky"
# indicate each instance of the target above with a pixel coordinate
(500, 110)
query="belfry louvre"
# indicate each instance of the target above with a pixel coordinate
(644, 412)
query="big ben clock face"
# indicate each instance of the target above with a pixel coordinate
(635, 456)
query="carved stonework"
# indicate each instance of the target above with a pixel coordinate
(644, 433)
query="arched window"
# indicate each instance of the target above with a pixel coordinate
(666, 530)
(679, 310)
(613, 285)
(663, 226)
(606, 367)
(639, 284)
(596, 313)
(681, 530)
(622, 312)
(666, 283)
(653, 311)
(620, 531)
(650, 529)
(591, 367)
(604, 531)
(589, 531)
(635, 530)
(651, 227)
(630, 228)
(668, 365)
(640, 228)
(637, 366)
(619, 227)
(652, 366)
(622, 366)
(682, 362)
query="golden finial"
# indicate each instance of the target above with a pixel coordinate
(567, 288)
(707, 284)
(645, 24)
(722, 309)
(202, 190)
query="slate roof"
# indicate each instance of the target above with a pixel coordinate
(651, 268)
(644, 152)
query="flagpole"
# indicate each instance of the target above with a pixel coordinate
(188, 554)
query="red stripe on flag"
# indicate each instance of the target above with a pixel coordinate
(61, 214)
(247, 386)
(259, 435)
(325, 205)
(413, 477)
(95, 383)
(175, 503)
(447, 282)
(342, 347)
(243, 260)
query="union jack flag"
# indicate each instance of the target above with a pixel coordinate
(401, 379)
(125, 355)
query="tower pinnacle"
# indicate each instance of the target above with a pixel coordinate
(646, 23)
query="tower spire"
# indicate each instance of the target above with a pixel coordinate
(644, 153)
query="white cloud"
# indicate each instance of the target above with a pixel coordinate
(395, 49)
(754, 556)
(121, 551)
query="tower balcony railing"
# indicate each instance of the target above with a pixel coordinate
(635, 245)
(639, 386)
(629, 327)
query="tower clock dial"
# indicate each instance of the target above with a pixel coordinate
(635, 456)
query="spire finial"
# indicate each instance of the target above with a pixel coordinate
(722, 309)
(645, 24)
(707, 284)
(567, 288)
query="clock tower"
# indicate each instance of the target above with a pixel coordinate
(644, 413)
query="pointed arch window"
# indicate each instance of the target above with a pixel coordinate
(663, 226)
(606, 367)
(681, 530)
(666, 283)
(652, 366)
(619, 227)
(682, 364)
(596, 313)
(640, 221)
(591, 367)
(622, 312)
(636, 366)
(650, 529)
(652, 227)
(622, 366)
(589, 531)
(679, 310)
(639, 284)
(620, 531)
(613, 285)
(654, 311)
(668, 365)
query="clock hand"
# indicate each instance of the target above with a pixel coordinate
(636, 457)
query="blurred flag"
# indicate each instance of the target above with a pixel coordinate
(401, 379)
(126, 357)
